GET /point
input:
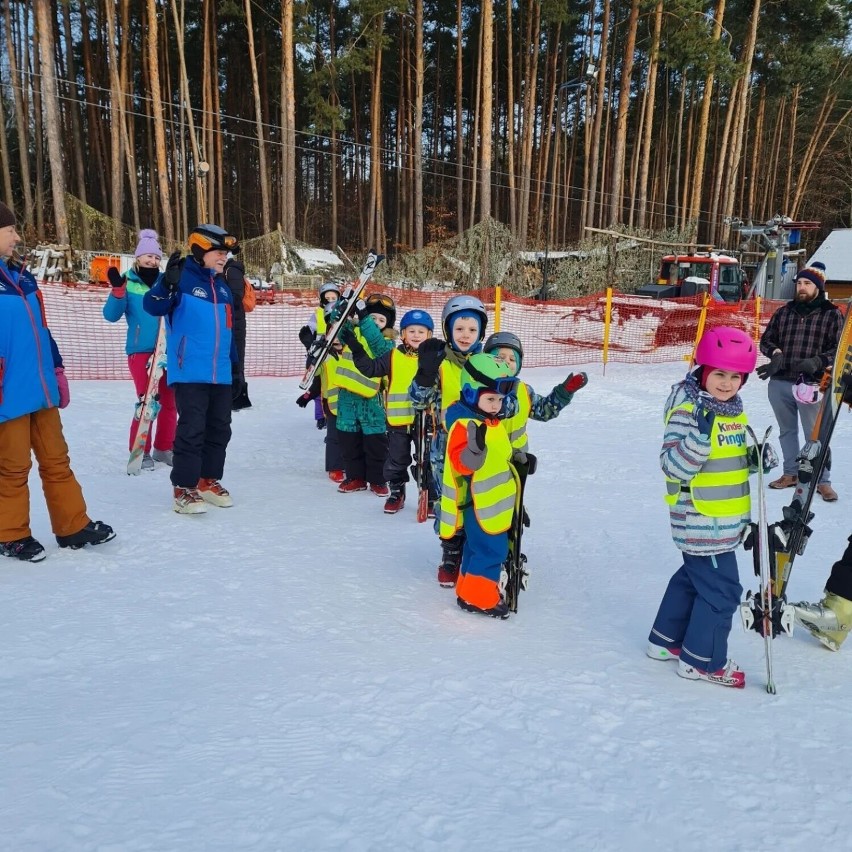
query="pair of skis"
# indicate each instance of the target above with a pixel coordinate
(148, 406)
(321, 347)
(775, 546)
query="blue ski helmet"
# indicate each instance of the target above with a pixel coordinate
(416, 317)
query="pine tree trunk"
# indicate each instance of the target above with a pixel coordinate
(459, 121)
(116, 101)
(44, 22)
(288, 123)
(419, 84)
(704, 122)
(486, 128)
(38, 123)
(650, 104)
(265, 208)
(162, 167)
(200, 198)
(591, 213)
(510, 121)
(617, 200)
(376, 227)
(528, 118)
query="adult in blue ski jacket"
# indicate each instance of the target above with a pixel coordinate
(125, 300)
(32, 389)
(197, 303)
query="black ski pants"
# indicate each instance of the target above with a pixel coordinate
(399, 455)
(333, 456)
(203, 432)
(364, 455)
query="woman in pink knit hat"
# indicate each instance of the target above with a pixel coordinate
(125, 300)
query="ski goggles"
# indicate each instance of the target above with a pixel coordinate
(503, 385)
(378, 299)
(207, 241)
(806, 392)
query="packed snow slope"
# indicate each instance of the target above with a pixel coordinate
(288, 675)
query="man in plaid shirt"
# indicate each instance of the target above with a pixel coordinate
(800, 341)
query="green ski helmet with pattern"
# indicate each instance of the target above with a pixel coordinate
(483, 373)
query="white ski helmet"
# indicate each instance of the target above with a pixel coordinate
(457, 305)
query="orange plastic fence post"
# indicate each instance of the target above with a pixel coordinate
(498, 305)
(702, 319)
(607, 324)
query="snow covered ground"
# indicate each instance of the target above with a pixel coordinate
(287, 674)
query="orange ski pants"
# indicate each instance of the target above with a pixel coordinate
(39, 433)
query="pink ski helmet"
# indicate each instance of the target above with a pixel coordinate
(726, 348)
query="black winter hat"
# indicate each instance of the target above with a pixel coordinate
(7, 217)
(384, 305)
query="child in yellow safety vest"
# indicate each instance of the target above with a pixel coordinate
(329, 293)
(437, 385)
(707, 464)
(361, 426)
(479, 487)
(324, 389)
(507, 347)
(399, 365)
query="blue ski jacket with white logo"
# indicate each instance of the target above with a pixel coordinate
(28, 354)
(199, 343)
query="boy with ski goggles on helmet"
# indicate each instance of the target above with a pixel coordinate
(361, 427)
(479, 488)
(707, 464)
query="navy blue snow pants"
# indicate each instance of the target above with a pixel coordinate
(697, 609)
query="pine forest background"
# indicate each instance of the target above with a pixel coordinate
(407, 123)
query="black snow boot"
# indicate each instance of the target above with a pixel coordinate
(95, 532)
(241, 401)
(26, 549)
(500, 610)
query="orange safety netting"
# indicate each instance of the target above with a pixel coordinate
(601, 328)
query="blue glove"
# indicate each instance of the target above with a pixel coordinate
(704, 420)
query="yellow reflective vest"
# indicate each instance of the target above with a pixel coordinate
(400, 409)
(720, 488)
(328, 382)
(348, 377)
(516, 426)
(492, 488)
(450, 374)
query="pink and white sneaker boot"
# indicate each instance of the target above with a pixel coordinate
(729, 675)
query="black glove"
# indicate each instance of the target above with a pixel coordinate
(479, 436)
(347, 336)
(306, 336)
(350, 339)
(764, 371)
(429, 356)
(235, 275)
(304, 399)
(809, 366)
(116, 279)
(174, 267)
